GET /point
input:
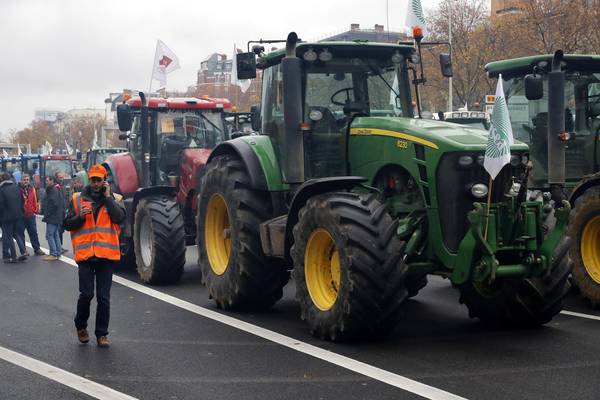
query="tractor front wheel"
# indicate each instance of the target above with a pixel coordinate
(234, 268)
(584, 228)
(159, 240)
(521, 303)
(348, 267)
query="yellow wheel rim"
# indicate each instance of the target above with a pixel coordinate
(217, 234)
(590, 248)
(322, 269)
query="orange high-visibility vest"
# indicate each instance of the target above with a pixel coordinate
(99, 238)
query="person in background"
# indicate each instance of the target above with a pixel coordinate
(30, 208)
(93, 219)
(59, 177)
(11, 204)
(54, 212)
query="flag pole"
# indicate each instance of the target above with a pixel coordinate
(487, 212)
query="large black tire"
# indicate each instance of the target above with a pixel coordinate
(521, 303)
(159, 240)
(584, 229)
(348, 267)
(235, 270)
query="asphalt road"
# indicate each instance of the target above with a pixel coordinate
(175, 347)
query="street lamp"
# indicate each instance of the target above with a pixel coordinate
(450, 41)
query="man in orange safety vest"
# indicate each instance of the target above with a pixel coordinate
(93, 219)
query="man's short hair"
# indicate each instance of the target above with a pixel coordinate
(25, 175)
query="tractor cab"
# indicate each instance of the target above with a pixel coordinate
(176, 124)
(337, 82)
(529, 118)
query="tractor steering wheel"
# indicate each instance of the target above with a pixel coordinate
(339, 103)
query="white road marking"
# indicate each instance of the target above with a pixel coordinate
(63, 377)
(399, 381)
(580, 315)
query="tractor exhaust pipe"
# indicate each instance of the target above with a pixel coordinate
(145, 141)
(291, 68)
(556, 129)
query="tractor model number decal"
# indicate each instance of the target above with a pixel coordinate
(394, 134)
(402, 144)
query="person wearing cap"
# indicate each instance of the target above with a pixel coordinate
(93, 219)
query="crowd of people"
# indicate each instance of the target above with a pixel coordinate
(20, 202)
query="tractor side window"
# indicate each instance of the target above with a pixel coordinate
(272, 102)
(136, 144)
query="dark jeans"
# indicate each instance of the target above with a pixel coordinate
(101, 272)
(31, 226)
(11, 230)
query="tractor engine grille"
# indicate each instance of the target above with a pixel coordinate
(454, 197)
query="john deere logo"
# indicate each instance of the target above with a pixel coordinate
(418, 10)
(498, 144)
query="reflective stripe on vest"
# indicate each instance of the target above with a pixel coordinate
(97, 237)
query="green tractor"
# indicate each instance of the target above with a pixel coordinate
(581, 98)
(364, 200)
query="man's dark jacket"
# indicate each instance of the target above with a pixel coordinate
(11, 201)
(54, 206)
(115, 211)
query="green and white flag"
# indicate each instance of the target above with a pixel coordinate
(497, 152)
(414, 16)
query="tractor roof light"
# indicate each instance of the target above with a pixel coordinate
(465, 161)
(325, 55)
(309, 55)
(417, 33)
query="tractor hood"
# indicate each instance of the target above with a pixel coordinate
(445, 136)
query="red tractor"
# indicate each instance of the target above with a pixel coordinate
(170, 140)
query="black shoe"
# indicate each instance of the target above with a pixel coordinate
(13, 260)
(63, 251)
(39, 252)
(22, 257)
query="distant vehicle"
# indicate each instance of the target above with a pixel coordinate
(476, 119)
(96, 156)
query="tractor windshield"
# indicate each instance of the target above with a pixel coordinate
(181, 130)
(529, 121)
(54, 166)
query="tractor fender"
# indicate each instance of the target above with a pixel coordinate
(242, 149)
(586, 183)
(312, 188)
(124, 173)
(142, 193)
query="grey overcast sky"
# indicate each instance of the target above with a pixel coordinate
(65, 54)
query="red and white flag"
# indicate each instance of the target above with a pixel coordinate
(165, 61)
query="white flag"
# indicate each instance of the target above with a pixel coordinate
(19, 149)
(4, 153)
(497, 152)
(48, 147)
(165, 61)
(244, 84)
(414, 16)
(69, 149)
(95, 141)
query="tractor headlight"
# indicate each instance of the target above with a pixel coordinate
(525, 159)
(465, 161)
(309, 55)
(479, 190)
(515, 160)
(325, 55)
(480, 160)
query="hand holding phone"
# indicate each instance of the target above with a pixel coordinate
(105, 189)
(86, 208)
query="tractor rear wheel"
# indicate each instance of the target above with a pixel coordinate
(521, 303)
(234, 268)
(159, 240)
(348, 267)
(584, 229)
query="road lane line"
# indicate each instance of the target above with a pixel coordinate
(399, 381)
(580, 315)
(63, 377)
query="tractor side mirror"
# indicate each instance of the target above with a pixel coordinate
(255, 118)
(124, 117)
(446, 65)
(246, 65)
(534, 87)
